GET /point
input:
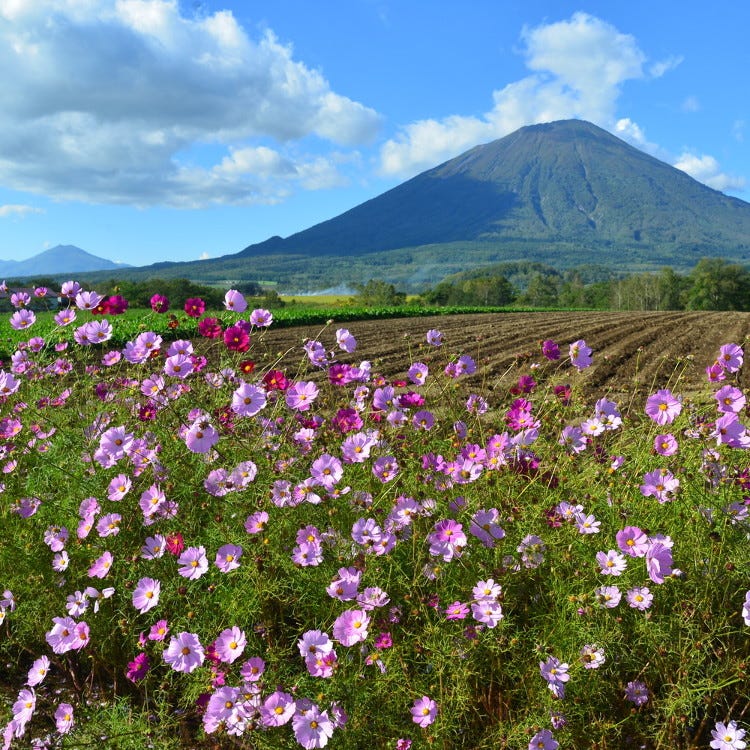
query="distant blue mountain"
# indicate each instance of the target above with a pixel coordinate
(62, 259)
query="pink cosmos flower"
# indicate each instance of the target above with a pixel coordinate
(611, 563)
(608, 596)
(592, 656)
(424, 711)
(543, 740)
(252, 669)
(639, 597)
(300, 396)
(434, 338)
(101, 565)
(345, 340)
(64, 718)
(277, 709)
(184, 653)
(350, 627)
(665, 445)
(248, 400)
(261, 318)
(636, 692)
(193, 563)
(312, 728)
(87, 300)
(663, 407)
(23, 708)
(234, 301)
(660, 484)
(580, 355)
(659, 561)
(228, 557)
(159, 303)
(385, 468)
(64, 634)
(487, 611)
(236, 339)
(201, 436)
(727, 736)
(146, 594)
(730, 399)
(178, 365)
(731, 357)
(230, 644)
(159, 631)
(632, 541)
(556, 675)
(38, 671)
(456, 611)
(22, 319)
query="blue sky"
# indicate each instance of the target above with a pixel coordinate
(149, 130)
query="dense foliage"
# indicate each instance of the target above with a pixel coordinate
(198, 547)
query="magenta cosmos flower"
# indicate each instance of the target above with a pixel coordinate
(184, 653)
(195, 307)
(424, 711)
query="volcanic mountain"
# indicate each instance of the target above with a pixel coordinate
(61, 259)
(563, 193)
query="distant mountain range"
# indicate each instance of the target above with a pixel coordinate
(563, 193)
(61, 259)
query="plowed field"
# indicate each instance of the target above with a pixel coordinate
(633, 351)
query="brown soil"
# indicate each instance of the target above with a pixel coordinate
(632, 351)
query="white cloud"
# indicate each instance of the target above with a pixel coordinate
(11, 209)
(100, 99)
(738, 130)
(578, 67)
(659, 68)
(691, 104)
(204, 256)
(706, 169)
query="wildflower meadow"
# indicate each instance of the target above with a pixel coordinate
(203, 547)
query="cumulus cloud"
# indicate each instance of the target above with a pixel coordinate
(706, 169)
(578, 67)
(13, 209)
(105, 99)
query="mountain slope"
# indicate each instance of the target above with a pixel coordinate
(562, 193)
(563, 181)
(61, 259)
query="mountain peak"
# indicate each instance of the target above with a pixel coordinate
(61, 259)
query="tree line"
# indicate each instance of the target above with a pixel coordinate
(714, 284)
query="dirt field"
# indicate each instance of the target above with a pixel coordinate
(633, 352)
